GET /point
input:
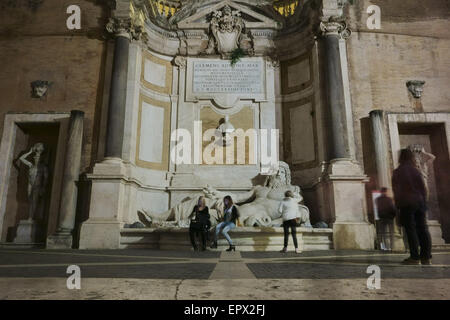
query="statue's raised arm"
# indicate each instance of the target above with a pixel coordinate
(23, 158)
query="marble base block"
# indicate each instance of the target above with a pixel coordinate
(101, 234)
(399, 244)
(60, 241)
(353, 235)
(346, 187)
(436, 232)
(27, 232)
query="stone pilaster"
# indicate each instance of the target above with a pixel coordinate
(338, 134)
(383, 178)
(109, 189)
(67, 212)
(123, 29)
(381, 148)
(344, 180)
(117, 97)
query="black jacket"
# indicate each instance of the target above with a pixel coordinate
(234, 215)
(408, 186)
(386, 208)
(200, 219)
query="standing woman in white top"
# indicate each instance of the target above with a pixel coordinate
(289, 211)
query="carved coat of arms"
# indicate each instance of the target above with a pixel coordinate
(227, 28)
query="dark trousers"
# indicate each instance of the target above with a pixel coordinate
(203, 236)
(293, 225)
(413, 220)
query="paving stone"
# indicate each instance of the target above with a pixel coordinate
(336, 271)
(158, 271)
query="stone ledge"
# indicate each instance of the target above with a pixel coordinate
(237, 230)
(12, 245)
(245, 239)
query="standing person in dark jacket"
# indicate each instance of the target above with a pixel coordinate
(386, 213)
(231, 215)
(200, 223)
(410, 197)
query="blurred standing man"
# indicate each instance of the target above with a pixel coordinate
(386, 213)
(410, 196)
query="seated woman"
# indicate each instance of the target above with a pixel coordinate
(231, 215)
(200, 223)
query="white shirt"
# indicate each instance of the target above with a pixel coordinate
(289, 209)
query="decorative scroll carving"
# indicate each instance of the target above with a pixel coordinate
(180, 62)
(272, 60)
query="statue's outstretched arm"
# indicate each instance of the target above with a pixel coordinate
(245, 196)
(215, 194)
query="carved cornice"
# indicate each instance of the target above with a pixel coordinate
(332, 9)
(129, 23)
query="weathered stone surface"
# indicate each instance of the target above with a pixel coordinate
(38, 46)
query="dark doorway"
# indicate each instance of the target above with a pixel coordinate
(434, 139)
(30, 134)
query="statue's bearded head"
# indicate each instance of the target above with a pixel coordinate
(281, 178)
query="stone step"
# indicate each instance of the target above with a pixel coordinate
(15, 245)
(445, 246)
(244, 238)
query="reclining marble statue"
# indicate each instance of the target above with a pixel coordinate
(257, 207)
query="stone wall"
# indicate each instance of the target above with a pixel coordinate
(412, 44)
(35, 44)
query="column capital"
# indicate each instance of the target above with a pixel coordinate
(131, 27)
(334, 27)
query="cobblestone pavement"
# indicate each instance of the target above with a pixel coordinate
(154, 274)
